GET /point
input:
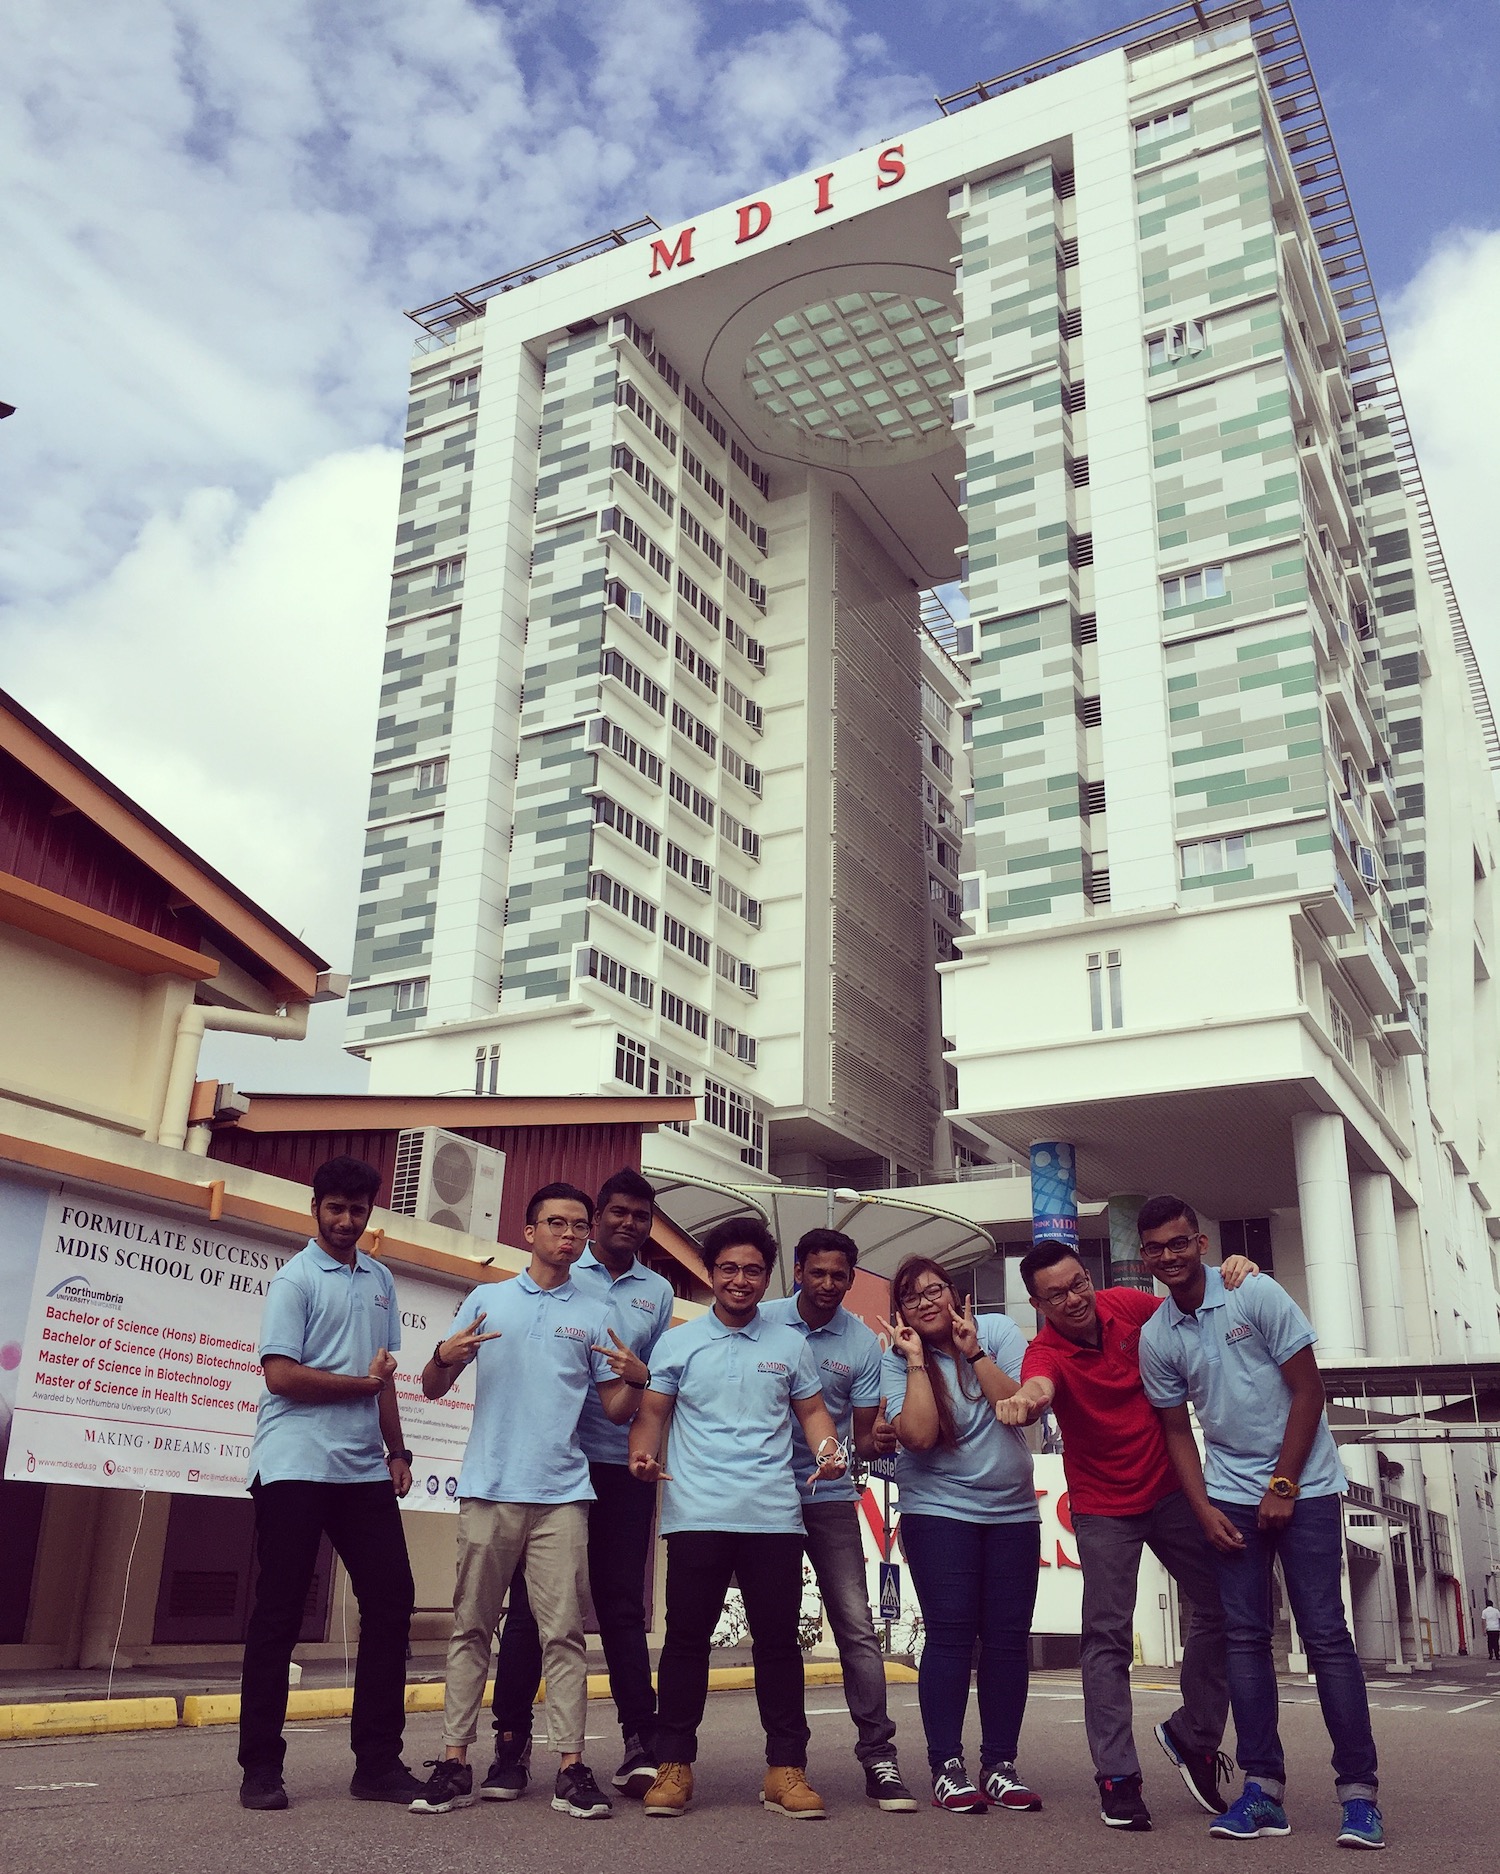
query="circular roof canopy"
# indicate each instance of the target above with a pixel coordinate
(864, 367)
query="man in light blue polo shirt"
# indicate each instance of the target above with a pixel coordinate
(639, 1305)
(1272, 1490)
(730, 1384)
(524, 1491)
(847, 1354)
(329, 1458)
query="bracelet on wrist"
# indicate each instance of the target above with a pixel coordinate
(442, 1365)
(974, 1358)
(398, 1457)
(640, 1385)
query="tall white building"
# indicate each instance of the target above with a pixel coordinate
(1193, 809)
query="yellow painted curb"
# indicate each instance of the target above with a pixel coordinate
(84, 1717)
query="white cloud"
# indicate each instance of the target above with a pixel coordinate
(225, 674)
(1442, 332)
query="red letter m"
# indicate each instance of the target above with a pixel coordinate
(666, 258)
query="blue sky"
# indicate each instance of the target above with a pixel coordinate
(214, 216)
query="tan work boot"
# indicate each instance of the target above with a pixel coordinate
(786, 1791)
(672, 1792)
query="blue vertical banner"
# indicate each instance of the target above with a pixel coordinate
(1054, 1192)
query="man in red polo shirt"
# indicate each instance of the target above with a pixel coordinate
(1123, 1492)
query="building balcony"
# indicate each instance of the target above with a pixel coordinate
(1403, 1030)
(1363, 961)
(1334, 913)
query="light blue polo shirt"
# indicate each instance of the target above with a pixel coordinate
(730, 1454)
(529, 1389)
(848, 1362)
(987, 1477)
(1227, 1359)
(639, 1305)
(324, 1313)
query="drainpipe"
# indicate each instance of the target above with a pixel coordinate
(290, 1025)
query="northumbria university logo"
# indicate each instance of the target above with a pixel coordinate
(75, 1289)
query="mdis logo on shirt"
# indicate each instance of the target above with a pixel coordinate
(836, 1366)
(569, 1333)
(774, 1366)
(1242, 1332)
(646, 1307)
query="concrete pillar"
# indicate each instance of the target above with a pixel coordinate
(1329, 1261)
(124, 1574)
(1379, 1262)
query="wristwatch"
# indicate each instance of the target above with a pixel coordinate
(1284, 1487)
(398, 1457)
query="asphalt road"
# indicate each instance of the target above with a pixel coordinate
(165, 1802)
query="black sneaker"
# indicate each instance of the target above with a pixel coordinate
(394, 1785)
(883, 1787)
(508, 1775)
(576, 1793)
(451, 1786)
(637, 1771)
(262, 1789)
(1121, 1805)
(1201, 1770)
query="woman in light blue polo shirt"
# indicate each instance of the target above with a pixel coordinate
(969, 1525)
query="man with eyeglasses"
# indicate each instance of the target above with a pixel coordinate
(1270, 1490)
(539, 1343)
(730, 1384)
(1123, 1495)
(640, 1312)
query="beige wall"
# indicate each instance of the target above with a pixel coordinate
(83, 1037)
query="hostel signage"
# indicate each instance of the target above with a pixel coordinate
(137, 1366)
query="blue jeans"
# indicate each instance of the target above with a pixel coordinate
(974, 1581)
(1311, 1550)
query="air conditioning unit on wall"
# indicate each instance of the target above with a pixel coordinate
(448, 1180)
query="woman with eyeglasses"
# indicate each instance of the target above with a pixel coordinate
(969, 1525)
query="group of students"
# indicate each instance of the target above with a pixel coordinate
(746, 1421)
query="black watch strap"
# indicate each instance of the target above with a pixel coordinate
(392, 1456)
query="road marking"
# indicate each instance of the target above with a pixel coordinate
(828, 1711)
(1456, 1709)
(57, 1785)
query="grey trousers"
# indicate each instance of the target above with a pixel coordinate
(838, 1558)
(1109, 1547)
(549, 1542)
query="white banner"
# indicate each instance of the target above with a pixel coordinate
(137, 1367)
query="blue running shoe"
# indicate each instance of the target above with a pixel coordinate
(1252, 1813)
(1363, 1827)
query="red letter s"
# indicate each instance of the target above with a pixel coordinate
(890, 166)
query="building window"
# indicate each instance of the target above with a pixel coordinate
(410, 997)
(1342, 1030)
(684, 1014)
(1377, 1075)
(448, 573)
(696, 871)
(1204, 857)
(432, 774)
(1165, 124)
(466, 384)
(1192, 588)
(614, 975)
(739, 902)
(487, 1069)
(935, 706)
(1105, 990)
(1299, 973)
(630, 1062)
(1178, 341)
(687, 941)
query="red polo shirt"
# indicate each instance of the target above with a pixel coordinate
(1114, 1455)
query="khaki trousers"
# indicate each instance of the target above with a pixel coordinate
(549, 1543)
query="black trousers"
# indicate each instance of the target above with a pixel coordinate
(700, 1566)
(620, 1520)
(363, 1523)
